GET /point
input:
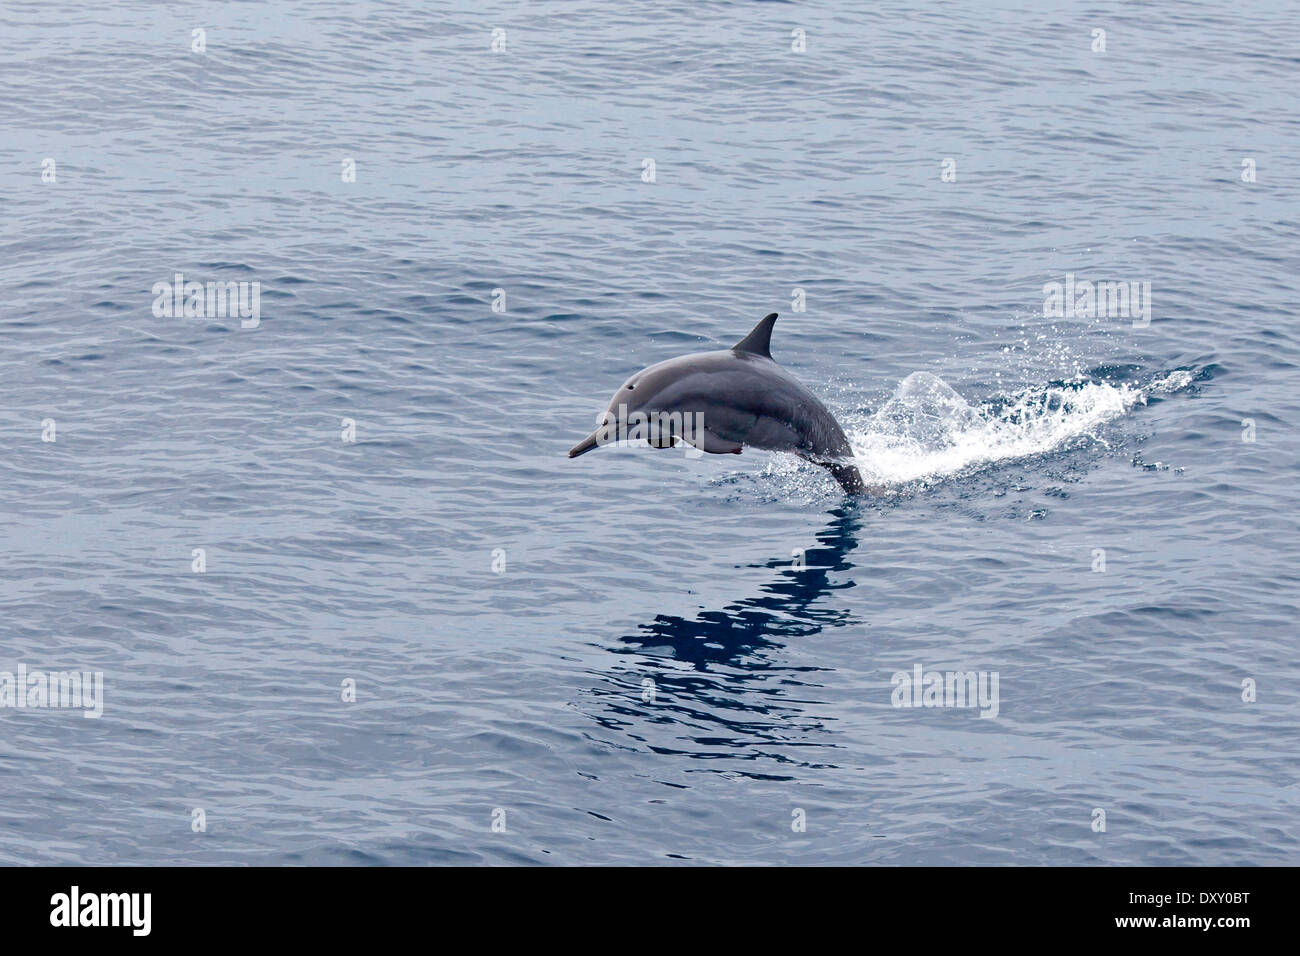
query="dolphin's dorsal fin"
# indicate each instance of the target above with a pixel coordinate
(759, 341)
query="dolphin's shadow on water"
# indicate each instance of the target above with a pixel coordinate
(734, 696)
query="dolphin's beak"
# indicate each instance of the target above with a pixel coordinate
(584, 446)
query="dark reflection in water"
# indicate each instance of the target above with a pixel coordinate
(785, 609)
(716, 684)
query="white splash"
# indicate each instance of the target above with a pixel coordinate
(1173, 382)
(926, 431)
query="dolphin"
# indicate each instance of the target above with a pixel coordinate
(736, 397)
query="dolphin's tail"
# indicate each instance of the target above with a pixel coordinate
(848, 476)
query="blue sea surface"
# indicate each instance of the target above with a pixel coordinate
(640, 657)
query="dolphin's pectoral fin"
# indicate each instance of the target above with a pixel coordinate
(707, 441)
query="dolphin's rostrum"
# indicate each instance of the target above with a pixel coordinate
(721, 401)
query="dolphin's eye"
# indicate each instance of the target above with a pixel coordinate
(630, 387)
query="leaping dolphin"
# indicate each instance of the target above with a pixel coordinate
(735, 397)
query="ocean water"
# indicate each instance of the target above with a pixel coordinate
(638, 657)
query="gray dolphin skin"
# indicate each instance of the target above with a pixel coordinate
(736, 397)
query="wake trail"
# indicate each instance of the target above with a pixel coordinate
(927, 432)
